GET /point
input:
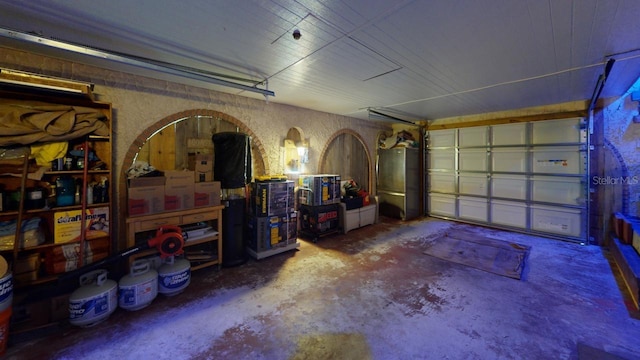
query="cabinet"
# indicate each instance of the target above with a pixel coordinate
(399, 182)
(202, 250)
(356, 218)
(64, 210)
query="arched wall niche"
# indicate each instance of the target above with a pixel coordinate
(346, 154)
(177, 155)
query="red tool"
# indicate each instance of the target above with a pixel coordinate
(168, 241)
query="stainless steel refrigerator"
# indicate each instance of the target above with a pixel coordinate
(398, 185)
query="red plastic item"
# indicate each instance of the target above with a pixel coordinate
(168, 241)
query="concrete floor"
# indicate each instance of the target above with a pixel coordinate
(373, 294)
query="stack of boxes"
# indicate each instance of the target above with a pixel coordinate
(627, 229)
(272, 220)
(179, 190)
(318, 200)
(176, 190)
(65, 255)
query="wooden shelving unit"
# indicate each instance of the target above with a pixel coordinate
(140, 228)
(38, 266)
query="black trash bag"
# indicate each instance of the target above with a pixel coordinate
(232, 159)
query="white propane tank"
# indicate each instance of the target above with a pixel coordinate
(139, 287)
(94, 300)
(174, 276)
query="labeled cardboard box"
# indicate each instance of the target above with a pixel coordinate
(146, 195)
(203, 167)
(66, 225)
(179, 190)
(204, 176)
(319, 219)
(207, 194)
(272, 231)
(272, 198)
(66, 257)
(318, 189)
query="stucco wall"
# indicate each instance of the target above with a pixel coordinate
(622, 137)
(139, 103)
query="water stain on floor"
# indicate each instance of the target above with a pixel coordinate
(332, 346)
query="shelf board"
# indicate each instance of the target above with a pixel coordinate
(57, 208)
(76, 172)
(195, 241)
(99, 137)
(204, 265)
(39, 281)
(206, 237)
(50, 245)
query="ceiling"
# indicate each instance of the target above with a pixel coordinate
(414, 60)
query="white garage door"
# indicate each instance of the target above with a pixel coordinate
(530, 177)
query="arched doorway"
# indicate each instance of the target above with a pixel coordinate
(346, 154)
(171, 144)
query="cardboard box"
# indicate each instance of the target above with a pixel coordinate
(617, 222)
(65, 257)
(272, 231)
(353, 203)
(206, 176)
(146, 195)
(630, 227)
(203, 167)
(207, 194)
(147, 181)
(319, 219)
(318, 189)
(635, 237)
(66, 225)
(179, 190)
(204, 162)
(272, 198)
